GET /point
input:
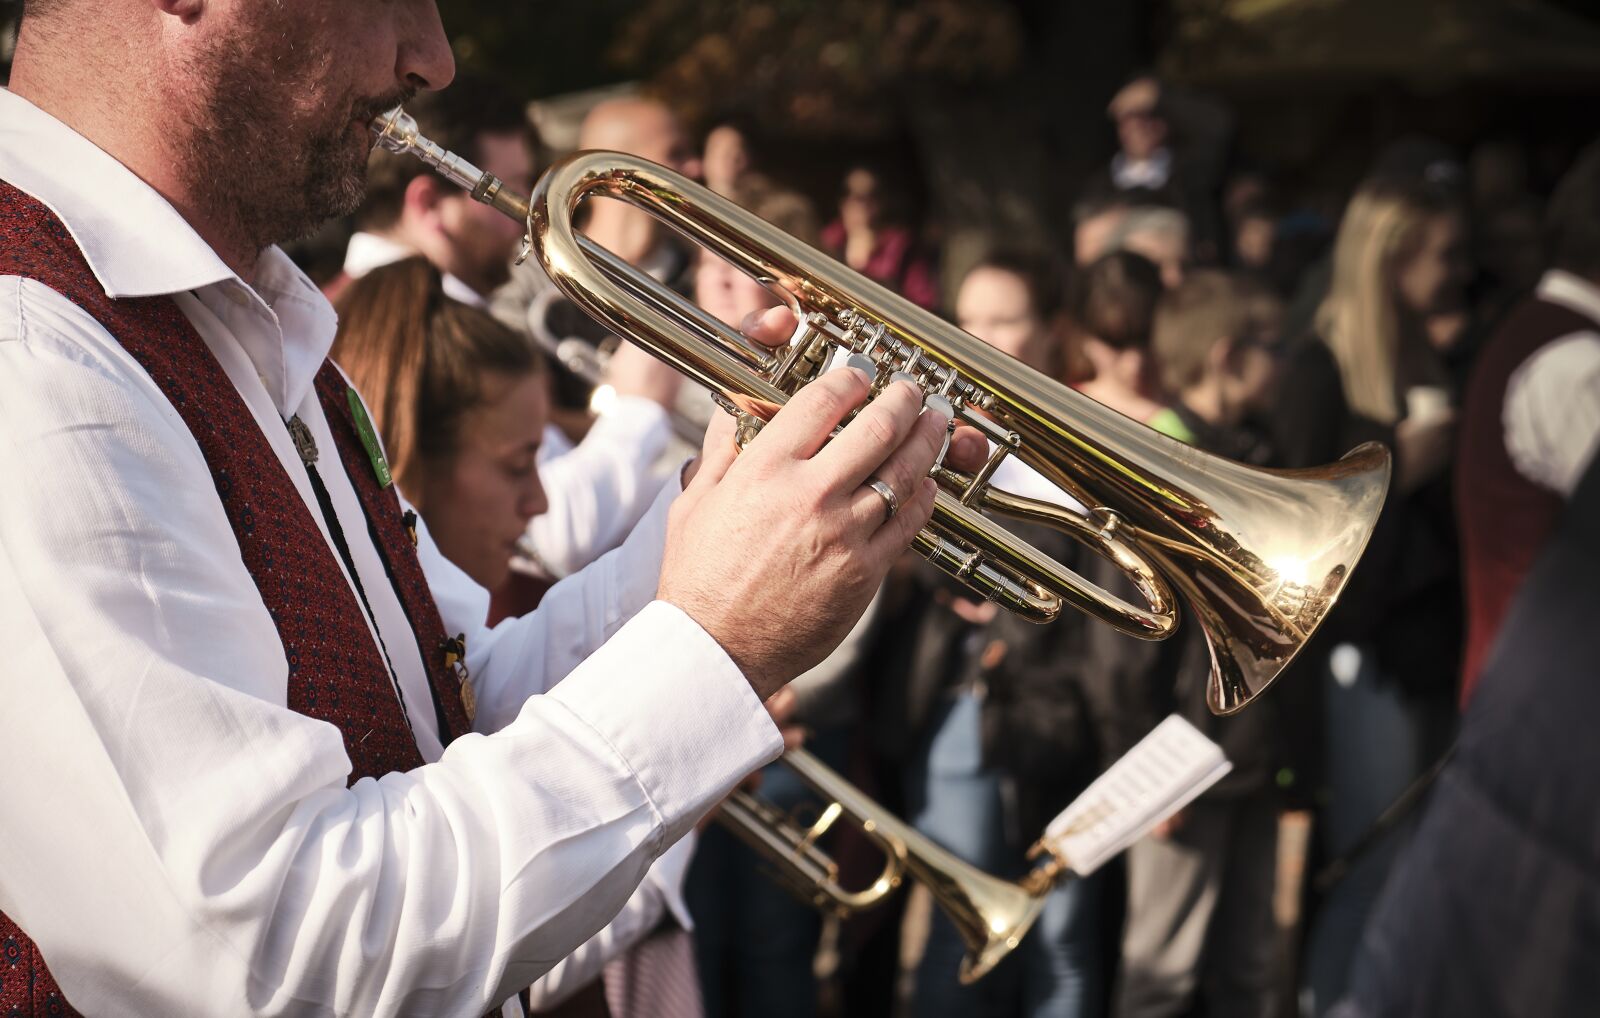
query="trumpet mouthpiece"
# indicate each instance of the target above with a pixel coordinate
(396, 130)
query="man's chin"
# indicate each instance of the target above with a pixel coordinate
(341, 189)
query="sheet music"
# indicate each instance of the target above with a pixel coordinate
(1163, 773)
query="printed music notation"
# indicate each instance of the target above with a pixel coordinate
(1159, 776)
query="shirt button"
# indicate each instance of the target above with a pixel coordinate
(237, 295)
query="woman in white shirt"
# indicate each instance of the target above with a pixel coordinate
(460, 401)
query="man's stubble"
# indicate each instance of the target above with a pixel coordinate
(267, 153)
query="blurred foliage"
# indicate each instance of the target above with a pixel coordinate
(806, 67)
(1424, 44)
(539, 49)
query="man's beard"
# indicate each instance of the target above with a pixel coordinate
(263, 162)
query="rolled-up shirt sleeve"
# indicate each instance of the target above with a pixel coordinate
(178, 841)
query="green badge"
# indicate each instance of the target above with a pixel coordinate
(369, 438)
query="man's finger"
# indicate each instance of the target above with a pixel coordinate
(803, 424)
(861, 449)
(895, 536)
(969, 450)
(903, 470)
(717, 453)
(772, 327)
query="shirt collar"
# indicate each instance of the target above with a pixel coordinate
(135, 242)
(1571, 292)
(138, 245)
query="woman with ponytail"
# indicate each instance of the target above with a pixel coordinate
(460, 402)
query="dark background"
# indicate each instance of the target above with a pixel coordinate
(990, 113)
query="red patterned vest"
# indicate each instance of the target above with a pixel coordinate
(1505, 518)
(336, 672)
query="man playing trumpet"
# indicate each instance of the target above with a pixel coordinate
(261, 754)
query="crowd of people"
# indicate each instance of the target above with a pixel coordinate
(1451, 314)
(1181, 306)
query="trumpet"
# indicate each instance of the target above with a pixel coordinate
(991, 915)
(1258, 556)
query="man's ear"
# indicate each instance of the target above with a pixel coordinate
(422, 197)
(186, 11)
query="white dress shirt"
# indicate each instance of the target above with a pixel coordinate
(1551, 413)
(598, 489)
(176, 839)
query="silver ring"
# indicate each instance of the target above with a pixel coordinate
(891, 504)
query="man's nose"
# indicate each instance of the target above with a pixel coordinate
(424, 60)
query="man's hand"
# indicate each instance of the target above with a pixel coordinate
(775, 552)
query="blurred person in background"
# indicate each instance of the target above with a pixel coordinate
(1508, 230)
(994, 735)
(410, 209)
(1508, 245)
(1411, 161)
(611, 462)
(1491, 909)
(1012, 300)
(1111, 309)
(634, 126)
(870, 237)
(1497, 173)
(726, 156)
(1171, 149)
(1094, 220)
(1254, 238)
(1158, 233)
(1387, 659)
(460, 402)
(1531, 420)
(1268, 235)
(1200, 935)
(1144, 159)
